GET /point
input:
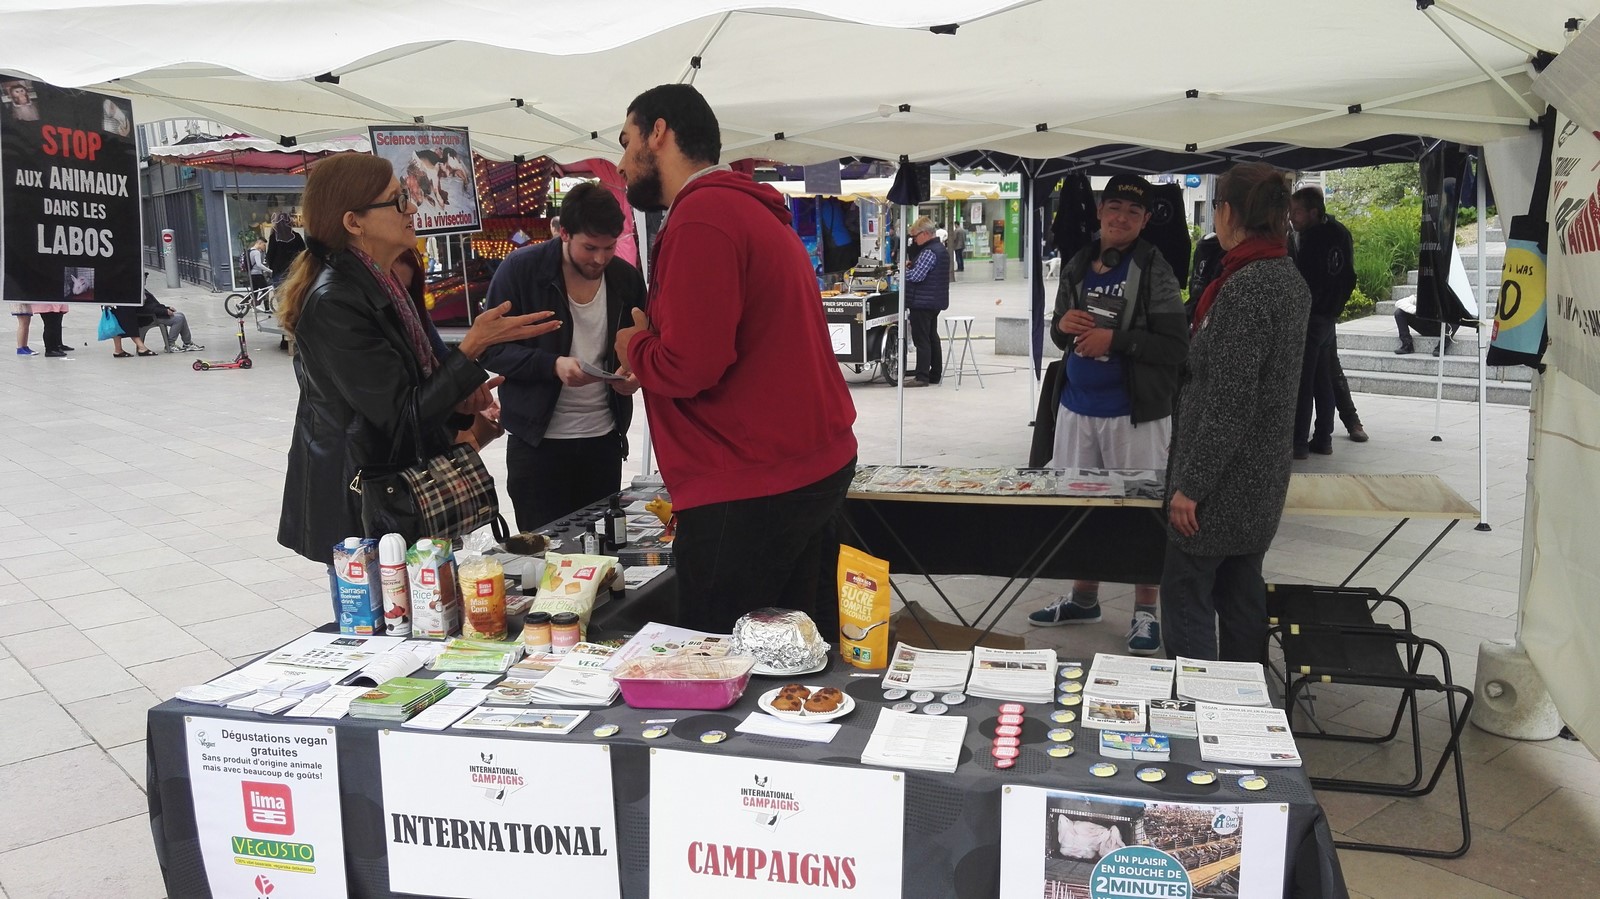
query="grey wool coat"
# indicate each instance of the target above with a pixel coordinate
(1232, 443)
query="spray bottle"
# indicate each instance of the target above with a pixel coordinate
(396, 585)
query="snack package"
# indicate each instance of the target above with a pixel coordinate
(360, 591)
(483, 598)
(570, 583)
(863, 608)
(435, 605)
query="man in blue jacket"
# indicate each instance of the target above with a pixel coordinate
(927, 294)
(563, 404)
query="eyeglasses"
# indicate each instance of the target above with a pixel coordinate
(1216, 202)
(401, 204)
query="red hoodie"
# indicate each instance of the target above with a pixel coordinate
(740, 384)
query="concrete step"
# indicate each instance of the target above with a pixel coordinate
(1492, 273)
(1386, 307)
(1424, 363)
(1376, 335)
(1513, 393)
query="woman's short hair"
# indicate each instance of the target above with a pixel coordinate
(922, 224)
(1259, 196)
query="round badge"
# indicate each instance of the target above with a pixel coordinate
(713, 736)
(1010, 719)
(1253, 782)
(1059, 734)
(1004, 763)
(1072, 686)
(1102, 769)
(894, 694)
(1072, 672)
(1060, 752)
(1012, 708)
(1070, 698)
(1202, 778)
(922, 696)
(904, 707)
(953, 698)
(655, 731)
(1150, 775)
(1007, 741)
(606, 730)
(1007, 730)
(1063, 716)
(935, 708)
(1004, 752)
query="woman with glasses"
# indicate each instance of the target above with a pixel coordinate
(1228, 469)
(366, 351)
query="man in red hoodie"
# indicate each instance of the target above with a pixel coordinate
(748, 411)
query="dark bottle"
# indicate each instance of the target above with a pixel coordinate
(616, 524)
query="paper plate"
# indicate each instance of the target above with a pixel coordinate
(804, 717)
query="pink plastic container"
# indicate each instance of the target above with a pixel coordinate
(684, 693)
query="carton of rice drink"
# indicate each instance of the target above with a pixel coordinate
(435, 604)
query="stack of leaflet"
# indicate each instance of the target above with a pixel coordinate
(909, 740)
(911, 668)
(1242, 735)
(1118, 690)
(462, 654)
(398, 698)
(580, 678)
(1226, 683)
(258, 692)
(1020, 675)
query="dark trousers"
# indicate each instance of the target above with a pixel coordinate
(961, 260)
(1316, 384)
(925, 337)
(558, 477)
(1199, 593)
(1341, 393)
(1406, 322)
(52, 330)
(780, 550)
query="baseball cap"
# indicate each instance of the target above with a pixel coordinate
(1127, 187)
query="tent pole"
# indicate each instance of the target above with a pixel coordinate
(1482, 344)
(641, 236)
(900, 359)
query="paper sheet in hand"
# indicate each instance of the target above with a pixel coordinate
(597, 372)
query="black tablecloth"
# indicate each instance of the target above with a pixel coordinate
(952, 821)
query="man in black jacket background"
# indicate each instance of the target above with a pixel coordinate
(1324, 254)
(563, 404)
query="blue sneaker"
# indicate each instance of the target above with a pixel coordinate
(1144, 638)
(26, 351)
(1064, 611)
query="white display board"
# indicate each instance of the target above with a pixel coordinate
(743, 828)
(477, 816)
(266, 807)
(1058, 843)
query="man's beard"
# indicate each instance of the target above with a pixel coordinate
(644, 191)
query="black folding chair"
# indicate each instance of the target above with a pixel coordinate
(1330, 635)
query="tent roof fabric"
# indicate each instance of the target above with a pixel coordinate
(811, 80)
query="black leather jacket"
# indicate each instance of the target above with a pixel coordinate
(357, 374)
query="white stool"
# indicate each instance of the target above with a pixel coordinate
(950, 324)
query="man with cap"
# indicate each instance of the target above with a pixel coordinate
(927, 294)
(1120, 319)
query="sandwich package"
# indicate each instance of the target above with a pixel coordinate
(571, 583)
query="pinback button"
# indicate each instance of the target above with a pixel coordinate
(1060, 752)
(1150, 775)
(1072, 686)
(1007, 730)
(655, 732)
(1007, 741)
(1059, 734)
(1063, 716)
(1004, 752)
(1070, 698)
(1202, 778)
(1253, 782)
(922, 696)
(1012, 708)
(1072, 672)
(1010, 719)
(1102, 769)
(1004, 763)
(904, 707)
(893, 694)
(713, 736)
(606, 730)
(935, 708)
(953, 698)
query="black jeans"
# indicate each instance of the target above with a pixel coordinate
(558, 477)
(780, 550)
(52, 330)
(1200, 592)
(961, 260)
(1316, 384)
(925, 337)
(1341, 393)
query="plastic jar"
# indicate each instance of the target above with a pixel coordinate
(536, 632)
(565, 631)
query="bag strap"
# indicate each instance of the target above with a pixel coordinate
(409, 416)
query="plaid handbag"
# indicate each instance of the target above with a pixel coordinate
(449, 495)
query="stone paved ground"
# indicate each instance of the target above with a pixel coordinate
(138, 507)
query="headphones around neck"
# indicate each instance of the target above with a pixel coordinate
(1111, 257)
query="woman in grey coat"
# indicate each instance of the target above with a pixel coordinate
(1228, 470)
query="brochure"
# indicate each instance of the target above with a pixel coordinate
(450, 708)
(1108, 713)
(318, 651)
(580, 678)
(920, 742)
(664, 639)
(595, 371)
(1173, 717)
(1022, 675)
(1229, 683)
(1245, 735)
(333, 702)
(912, 668)
(1129, 677)
(397, 662)
(398, 698)
(543, 721)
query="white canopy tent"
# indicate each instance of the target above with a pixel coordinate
(813, 80)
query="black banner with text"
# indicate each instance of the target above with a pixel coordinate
(69, 196)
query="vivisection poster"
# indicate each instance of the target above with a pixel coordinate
(434, 167)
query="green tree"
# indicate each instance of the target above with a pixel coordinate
(1381, 186)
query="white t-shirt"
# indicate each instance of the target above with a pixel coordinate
(585, 411)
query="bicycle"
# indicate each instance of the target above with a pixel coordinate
(238, 304)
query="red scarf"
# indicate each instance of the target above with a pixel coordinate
(1252, 250)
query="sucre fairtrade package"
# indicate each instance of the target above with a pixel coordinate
(863, 608)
